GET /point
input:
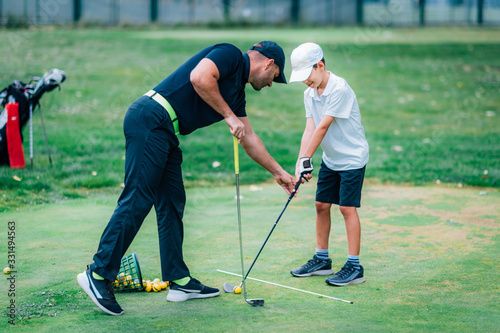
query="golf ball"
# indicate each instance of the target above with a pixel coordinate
(6, 270)
(237, 290)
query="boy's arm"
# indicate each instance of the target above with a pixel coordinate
(304, 143)
(257, 151)
(316, 138)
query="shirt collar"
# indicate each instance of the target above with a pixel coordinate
(328, 89)
(246, 61)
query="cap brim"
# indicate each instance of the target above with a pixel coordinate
(281, 78)
(300, 75)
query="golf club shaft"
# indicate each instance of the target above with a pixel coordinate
(45, 135)
(237, 176)
(31, 135)
(274, 226)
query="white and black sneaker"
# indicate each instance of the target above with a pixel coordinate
(193, 289)
(101, 292)
(347, 275)
(314, 266)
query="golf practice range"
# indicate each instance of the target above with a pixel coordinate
(430, 212)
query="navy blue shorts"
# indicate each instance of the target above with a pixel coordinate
(341, 188)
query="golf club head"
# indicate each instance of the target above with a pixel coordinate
(255, 302)
(228, 288)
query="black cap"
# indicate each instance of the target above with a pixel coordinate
(273, 51)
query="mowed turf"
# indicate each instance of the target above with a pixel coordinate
(430, 258)
(429, 100)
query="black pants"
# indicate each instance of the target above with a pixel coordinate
(152, 177)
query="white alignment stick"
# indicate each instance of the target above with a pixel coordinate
(280, 285)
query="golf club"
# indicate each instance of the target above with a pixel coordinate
(230, 288)
(253, 302)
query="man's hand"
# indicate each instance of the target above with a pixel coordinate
(305, 165)
(305, 178)
(236, 126)
(286, 181)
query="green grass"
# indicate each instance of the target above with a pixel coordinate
(430, 267)
(429, 100)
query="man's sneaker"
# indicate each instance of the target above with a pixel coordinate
(315, 266)
(193, 289)
(347, 275)
(101, 292)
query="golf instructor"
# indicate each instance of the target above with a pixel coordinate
(207, 88)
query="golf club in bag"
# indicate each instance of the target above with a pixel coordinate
(228, 288)
(27, 96)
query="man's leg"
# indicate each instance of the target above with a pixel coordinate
(169, 206)
(146, 155)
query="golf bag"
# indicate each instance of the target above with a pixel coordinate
(27, 97)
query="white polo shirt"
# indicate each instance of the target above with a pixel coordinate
(344, 145)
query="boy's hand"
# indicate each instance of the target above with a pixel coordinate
(305, 165)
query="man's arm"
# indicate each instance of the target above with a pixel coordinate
(204, 79)
(256, 150)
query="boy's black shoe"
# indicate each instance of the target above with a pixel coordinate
(193, 289)
(101, 292)
(347, 275)
(314, 266)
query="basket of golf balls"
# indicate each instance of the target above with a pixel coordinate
(129, 277)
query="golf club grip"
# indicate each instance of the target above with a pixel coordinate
(236, 156)
(296, 188)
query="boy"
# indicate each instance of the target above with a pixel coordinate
(334, 122)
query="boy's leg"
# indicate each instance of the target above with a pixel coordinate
(353, 229)
(350, 198)
(326, 194)
(323, 224)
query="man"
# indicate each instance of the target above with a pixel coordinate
(207, 88)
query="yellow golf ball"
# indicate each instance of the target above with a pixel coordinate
(156, 287)
(6, 270)
(237, 290)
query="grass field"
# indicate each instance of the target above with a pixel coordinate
(430, 102)
(430, 257)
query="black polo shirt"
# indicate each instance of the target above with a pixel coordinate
(192, 111)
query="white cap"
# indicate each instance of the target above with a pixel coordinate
(303, 58)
